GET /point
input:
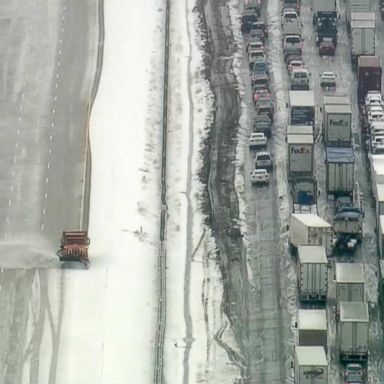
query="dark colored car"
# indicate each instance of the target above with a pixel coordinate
(260, 25)
(248, 17)
(263, 123)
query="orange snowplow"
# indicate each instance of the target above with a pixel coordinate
(74, 247)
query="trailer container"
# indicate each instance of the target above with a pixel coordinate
(313, 273)
(299, 130)
(339, 170)
(304, 195)
(300, 155)
(368, 76)
(362, 39)
(312, 327)
(311, 365)
(337, 125)
(352, 331)
(349, 283)
(309, 229)
(302, 108)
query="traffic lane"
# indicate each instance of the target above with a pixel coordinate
(75, 66)
(346, 84)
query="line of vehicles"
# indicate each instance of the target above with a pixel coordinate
(256, 34)
(313, 240)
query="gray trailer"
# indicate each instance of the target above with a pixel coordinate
(311, 365)
(312, 327)
(313, 273)
(337, 125)
(352, 332)
(340, 176)
(349, 283)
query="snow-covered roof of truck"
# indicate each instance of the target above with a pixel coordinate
(381, 220)
(302, 98)
(349, 273)
(311, 220)
(312, 254)
(363, 16)
(336, 100)
(380, 192)
(299, 139)
(310, 356)
(314, 319)
(340, 155)
(300, 129)
(369, 61)
(354, 311)
(362, 24)
(338, 108)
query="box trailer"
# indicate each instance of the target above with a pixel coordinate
(339, 164)
(368, 76)
(337, 125)
(300, 155)
(312, 327)
(349, 283)
(362, 39)
(302, 108)
(299, 130)
(352, 331)
(309, 229)
(380, 236)
(311, 365)
(313, 273)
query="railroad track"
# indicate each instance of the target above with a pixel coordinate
(162, 255)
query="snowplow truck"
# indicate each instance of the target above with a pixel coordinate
(74, 247)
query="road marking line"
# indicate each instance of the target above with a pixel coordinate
(17, 145)
(60, 41)
(12, 188)
(57, 75)
(58, 63)
(21, 107)
(13, 173)
(42, 227)
(50, 138)
(50, 151)
(7, 219)
(14, 160)
(53, 110)
(19, 118)
(45, 195)
(56, 85)
(62, 29)
(22, 95)
(59, 51)
(18, 131)
(43, 211)
(55, 98)
(48, 165)
(47, 180)
(63, 17)
(9, 203)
